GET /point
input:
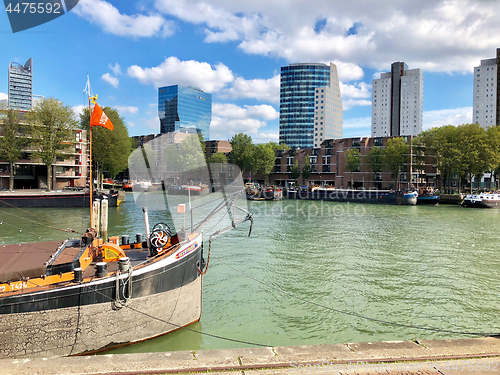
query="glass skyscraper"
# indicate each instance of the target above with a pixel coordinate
(184, 109)
(21, 86)
(297, 103)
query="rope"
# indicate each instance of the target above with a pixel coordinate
(208, 258)
(356, 314)
(118, 303)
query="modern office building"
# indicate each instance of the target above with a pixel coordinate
(21, 86)
(397, 102)
(486, 102)
(310, 105)
(184, 109)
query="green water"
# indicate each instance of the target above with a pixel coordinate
(435, 267)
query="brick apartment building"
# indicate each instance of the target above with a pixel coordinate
(328, 167)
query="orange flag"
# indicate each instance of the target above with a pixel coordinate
(99, 118)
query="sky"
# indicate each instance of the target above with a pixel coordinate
(235, 49)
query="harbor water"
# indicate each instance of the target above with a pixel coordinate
(423, 266)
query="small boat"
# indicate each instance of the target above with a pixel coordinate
(188, 189)
(253, 191)
(272, 194)
(429, 199)
(355, 196)
(127, 186)
(482, 200)
(56, 198)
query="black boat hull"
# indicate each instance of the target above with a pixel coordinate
(354, 196)
(81, 318)
(76, 199)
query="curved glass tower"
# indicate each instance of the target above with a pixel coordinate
(184, 109)
(297, 104)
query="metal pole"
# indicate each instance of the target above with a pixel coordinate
(90, 157)
(146, 223)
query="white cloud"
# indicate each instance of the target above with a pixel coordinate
(349, 103)
(173, 71)
(3, 96)
(356, 91)
(230, 119)
(113, 81)
(126, 109)
(265, 138)
(261, 89)
(440, 36)
(442, 117)
(108, 17)
(116, 69)
(78, 109)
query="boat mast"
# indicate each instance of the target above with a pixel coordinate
(88, 90)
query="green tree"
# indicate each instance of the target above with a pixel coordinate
(473, 147)
(218, 157)
(262, 159)
(352, 162)
(295, 170)
(110, 148)
(191, 156)
(280, 146)
(51, 126)
(306, 171)
(395, 156)
(12, 141)
(242, 153)
(374, 160)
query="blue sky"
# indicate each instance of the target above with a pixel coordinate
(235, 49)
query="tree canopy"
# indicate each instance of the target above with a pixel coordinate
(241, 155)
(51, 126)
(12, 141)
(352, 162)
(395, 156)
(110, 149)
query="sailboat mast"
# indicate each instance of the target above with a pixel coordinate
(88, 91)
(91, 184)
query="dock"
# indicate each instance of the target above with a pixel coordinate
(439, 357)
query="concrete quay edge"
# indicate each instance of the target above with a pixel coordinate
(263, 360)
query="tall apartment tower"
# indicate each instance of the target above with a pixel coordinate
(397, 102)
(20, 94)
(184, 109)
(310, 105)
(486, 103)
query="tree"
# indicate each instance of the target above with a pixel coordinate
(51, 126)
(12, 141)
(352, 162)
(295, 171)
(191, 156)
(262, 159)
(374, 160)
(395, 156)
(306, 171)
(472, 146)
(242, 152)
(281, 146)
(218, 157)
(110, 148)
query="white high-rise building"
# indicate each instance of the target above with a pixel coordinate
(398, 102)
(21, 86)
(328, 111)
(486, 93)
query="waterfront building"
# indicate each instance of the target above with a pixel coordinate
(328, 168)
(20, 93)
(214, 146)
(486, 102)
(397, 102)
(184, 109)
(31, 173)
(310, 105)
